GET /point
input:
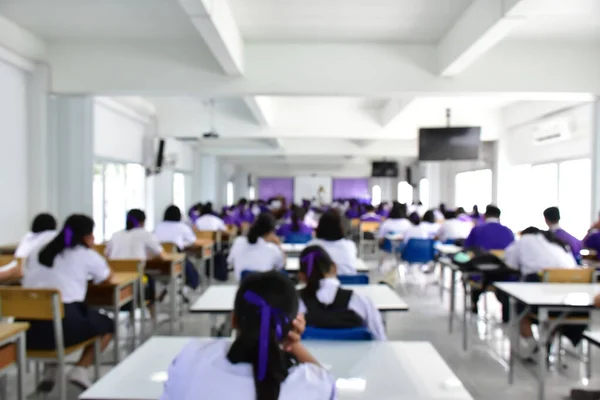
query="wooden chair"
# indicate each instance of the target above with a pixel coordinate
(100, 248)
(136, 266)
(367, 227)
(169, 247)
(46, 305)
(561, 275)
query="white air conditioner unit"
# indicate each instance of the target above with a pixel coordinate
(552, 131)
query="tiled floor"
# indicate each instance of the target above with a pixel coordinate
(481, 369)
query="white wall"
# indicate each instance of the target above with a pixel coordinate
(13, 163)
(307, 187)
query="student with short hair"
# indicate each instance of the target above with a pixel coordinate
(208, 221)
(396, 222)
(429, 224)
(296, 225)
(552, 218)
(452, 228)
(326, 305)
(135, 241)
(418, 230)
(259, 251)
(43, 229)
(370, 215)
(66, 263)
(330, 236)
(266, 360)
(491, 235)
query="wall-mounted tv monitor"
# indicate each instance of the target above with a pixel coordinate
(384, 169)
(456, 143)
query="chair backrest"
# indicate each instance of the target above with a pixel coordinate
(354, 222)
(297, 238)
(369, 226)
(100, 248)
(562, 275)
(169, 247)
(30, 304)
(354, 334)
(359, 279)
(132, 265)
(418, 251)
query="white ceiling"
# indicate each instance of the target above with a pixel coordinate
(410, 21)
(101, 19)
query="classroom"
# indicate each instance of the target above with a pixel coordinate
(286, 199)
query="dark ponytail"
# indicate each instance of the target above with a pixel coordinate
(315, 263)
(264, 224)
(76, 228)
(135, 219)
(296, 217)
(259, 293)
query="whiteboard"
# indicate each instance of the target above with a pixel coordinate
(307, 187)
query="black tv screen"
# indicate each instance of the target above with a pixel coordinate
(384, 169)
(456, 143)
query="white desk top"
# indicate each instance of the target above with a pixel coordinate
(394, 237)
(364, 370)
(293, 247)
(293, 265)
(576, 295)
(220, 298)
(448, 248)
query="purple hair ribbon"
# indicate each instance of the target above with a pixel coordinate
(68, 233)
(309, 259)
(266, 314)
(194, 215)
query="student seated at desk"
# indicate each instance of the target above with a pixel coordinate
(396, 222)
(330, 236)
(266, 361)
(208, 221)
(296, 225)
(552, 217)
(260, 250)
(429, 224)
(491, 235)
(417, 230)
(326, 305)
(453, 228)
(43, 229)
(66, 263)
(370, 215)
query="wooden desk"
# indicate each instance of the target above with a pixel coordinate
(201, 253)
(8, 249)
(170, 270)
(12, 350)
(121, 290)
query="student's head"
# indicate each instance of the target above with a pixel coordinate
(398, 211)
(136, 218)
(492, 211)
(414, 218)
(172, 214)
(475, 211)
(265, 307)
(264, 225)
(43, 222)
(429, 216)
(369, 208)
(296, 218)
(315, 264)
(194, 211)
(450, 214)
(460, 211)
(330, 226)
(442, 208)
(243, 202)
(549, 235)
(207, 209)
(552, 215)
(77, 230)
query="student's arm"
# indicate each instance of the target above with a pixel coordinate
(597, 301)
(153, 247)
(97, 267)
(365, 307)
(12, 271)
(281, 257)
(189, 237)
(512, 256)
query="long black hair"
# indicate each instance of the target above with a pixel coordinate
(429, 216)
(265, 223)
(549, 235)
(398, 211)
(258, 291)
(76, 227)
(315, 263)
(43, 222)
(172, 214)
(135, 219)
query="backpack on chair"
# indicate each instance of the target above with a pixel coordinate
(333, 316)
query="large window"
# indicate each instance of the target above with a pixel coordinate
(251, 193)
(405, 193)
(544, 191)
(575, 196)
(424, 192)
(179, 191)
(117, 188)
(473, 188)
(230, 194)
(376, 195)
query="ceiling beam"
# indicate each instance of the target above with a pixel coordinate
(393, 109)
(481, 27)
(215, 22)
(18, 46)
(261, 109)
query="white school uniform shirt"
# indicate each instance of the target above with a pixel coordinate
(261, 256)
(137, 243)
(396, 225)
(432, 228)
(209, 222)
(203, 371)
(32, 241)
(360, 304)
(175, 232)
(417, 232)
(343, 253)
(453, 229)
(533, 253)
(69, 274)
